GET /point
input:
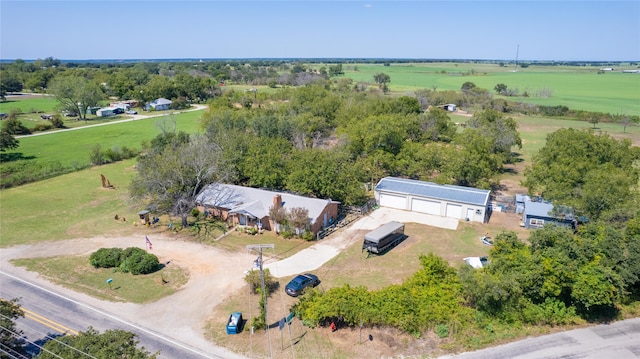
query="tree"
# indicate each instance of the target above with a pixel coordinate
(75, 93)
(170, 180)
(113, 343)
(7, 133)
(594, 174)
(298, 218)
(435, 125)
(335, 70)
(467, 86)
(500, 88)
(382, 79)
(10, 342)
(500, 130)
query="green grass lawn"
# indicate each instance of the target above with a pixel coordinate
(68, 206)
(580, 88)
(74, 147)
(75, 272)
(30, 104)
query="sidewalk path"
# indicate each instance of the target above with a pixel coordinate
(318, 254)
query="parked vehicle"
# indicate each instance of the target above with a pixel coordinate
(234, 324)
(384, 237)
(295, 287)
(131, 112)
(486, 240)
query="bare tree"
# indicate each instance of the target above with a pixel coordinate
(299, 219)
(169, 180)
(278, 216)
(76, 93)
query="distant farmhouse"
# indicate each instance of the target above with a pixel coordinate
(160, 104)
(465, 203)
(247, 206)
(536, 213)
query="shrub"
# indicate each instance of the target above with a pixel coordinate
(308, 236)
(442, 330)
(286, 234)
(253, 279)
(96, 157)
(40, 127)
(106, 258)
(56, 121)
(138, 261)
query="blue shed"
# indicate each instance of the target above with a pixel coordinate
(537, 213)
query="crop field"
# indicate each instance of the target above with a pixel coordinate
(580, 88)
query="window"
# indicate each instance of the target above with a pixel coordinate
(478, 211)
(536, 222)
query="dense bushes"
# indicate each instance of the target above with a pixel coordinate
(132, 259)
(431, 297)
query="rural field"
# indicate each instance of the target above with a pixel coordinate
(74, 206)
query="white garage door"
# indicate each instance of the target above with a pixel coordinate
(424, 206)
(454, 211)
(387, 200)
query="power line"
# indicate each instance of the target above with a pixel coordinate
(17, 335)
(12, 351)
(46, 335)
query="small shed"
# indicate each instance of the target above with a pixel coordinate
(104, 112)
(144, 216)
(538, 212)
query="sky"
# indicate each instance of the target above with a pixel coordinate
(575, 30)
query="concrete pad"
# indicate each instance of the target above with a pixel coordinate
(318, 254)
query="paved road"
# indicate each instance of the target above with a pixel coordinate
(49, 314)
(619, 340)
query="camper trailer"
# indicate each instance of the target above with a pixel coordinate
(383, 237)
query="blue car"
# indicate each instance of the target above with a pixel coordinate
(295, 287)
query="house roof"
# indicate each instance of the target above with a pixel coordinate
(161, 101)
(538, 208)
(256, 202)
(451, 193)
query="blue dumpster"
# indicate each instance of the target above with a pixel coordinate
(234, 325)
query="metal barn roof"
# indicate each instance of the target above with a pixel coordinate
(451, 193)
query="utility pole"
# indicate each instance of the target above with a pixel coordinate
(258, 248)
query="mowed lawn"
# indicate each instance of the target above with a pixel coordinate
(73, 148)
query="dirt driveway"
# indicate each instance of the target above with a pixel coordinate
(212, 275)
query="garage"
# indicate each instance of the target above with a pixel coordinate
(454, 211)
(392, 201)
(425, 206)
(458, 202)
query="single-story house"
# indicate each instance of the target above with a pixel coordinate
(105, 111)
(458, 202)
(536, 213)
(249, 206)
(160, 104)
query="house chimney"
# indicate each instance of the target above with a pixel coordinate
(277, 201)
